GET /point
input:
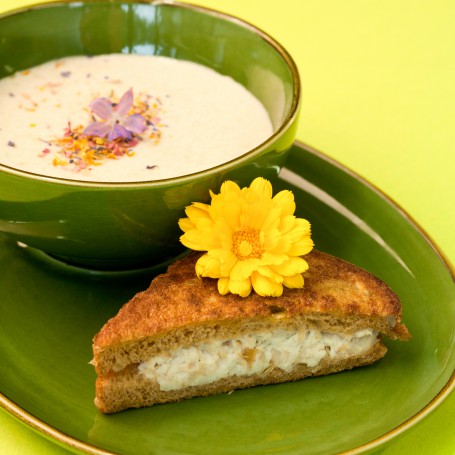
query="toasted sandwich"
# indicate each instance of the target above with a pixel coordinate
(181, 339)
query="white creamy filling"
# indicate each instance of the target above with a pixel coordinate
(251, 354)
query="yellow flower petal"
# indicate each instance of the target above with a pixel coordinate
(273, 220)
(291, 267)
(277, 243)
(286, 223)
(262, 187)
(201, 206)
(255, 212)
(223, 286)
(271, 239)
(266, 287)
(195, 213)
(226, 260)
(285, 200)
(240, 287)
(198, 216)
(269, 273)
(232, 214)
(208, 266)
(230, 187)
(185, 224)
(301, 229)
(242, 270)
(294, 282)
(199, 240)
(224, 231)
(302, 247)
(274, 258)
(227, 209)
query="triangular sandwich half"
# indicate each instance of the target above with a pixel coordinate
(181, 339)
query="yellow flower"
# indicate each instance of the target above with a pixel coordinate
(252, 239)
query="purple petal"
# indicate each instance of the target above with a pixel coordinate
(97, 129)
(118, 131)
(125, 103)
(135, 123)
(102, 107)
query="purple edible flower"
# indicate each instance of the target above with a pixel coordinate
(116, 121)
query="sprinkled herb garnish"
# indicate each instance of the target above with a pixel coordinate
(116, 129)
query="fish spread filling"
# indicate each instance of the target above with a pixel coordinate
(247, 355)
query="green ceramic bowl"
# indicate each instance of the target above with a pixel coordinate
(130, 225)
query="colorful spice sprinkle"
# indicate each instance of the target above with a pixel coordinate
(11, 144)
(117, 127)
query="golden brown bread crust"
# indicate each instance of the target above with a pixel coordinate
(178, 298)
(334, 289)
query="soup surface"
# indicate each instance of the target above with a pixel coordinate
(125, 118)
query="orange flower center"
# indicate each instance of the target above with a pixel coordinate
(246, 244)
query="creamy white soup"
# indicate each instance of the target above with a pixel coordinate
(123, 118)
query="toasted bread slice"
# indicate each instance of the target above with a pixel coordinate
(180, 338)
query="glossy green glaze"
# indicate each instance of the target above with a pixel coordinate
(115, 226)
(50, 312)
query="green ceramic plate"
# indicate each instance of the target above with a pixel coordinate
(49, 314)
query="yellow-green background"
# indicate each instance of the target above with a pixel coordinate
(378, 96)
